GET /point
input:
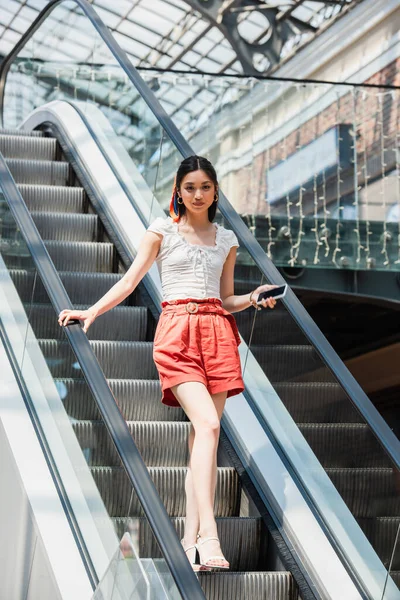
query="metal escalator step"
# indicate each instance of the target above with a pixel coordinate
(116, 491)
(285, 363)
(137, 399)
(242, 539)
(81, 256)
(161, 444)
(34, 147)
(38, 171)
(270, 327)
(66, 227)
(319, 402)
(274, 585)
(368, 492)
(117, 359)
(382, 533)
(82, 288)
(53, 198)
(21, 132)
(344, 445)
(122, 323)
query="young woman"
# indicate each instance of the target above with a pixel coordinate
(195, 345)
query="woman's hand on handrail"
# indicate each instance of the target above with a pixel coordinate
(87, 316)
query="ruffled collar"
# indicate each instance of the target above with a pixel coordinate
(218, 228)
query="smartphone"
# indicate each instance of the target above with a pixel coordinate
(278, 292)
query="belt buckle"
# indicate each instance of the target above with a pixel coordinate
(192, 307)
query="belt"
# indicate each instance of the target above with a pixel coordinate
(206, 305)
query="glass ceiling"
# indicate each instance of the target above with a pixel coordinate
(216, 36)
(220, 36)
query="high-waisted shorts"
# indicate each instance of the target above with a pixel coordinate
(197, 340)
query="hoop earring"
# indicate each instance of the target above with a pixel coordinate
(216, 198)
(180, 201)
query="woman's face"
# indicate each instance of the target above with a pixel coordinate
(197, 191)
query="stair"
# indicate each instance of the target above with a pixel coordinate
(122, 341)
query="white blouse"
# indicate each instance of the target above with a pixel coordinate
(190, 270)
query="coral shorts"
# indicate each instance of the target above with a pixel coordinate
(197, 340)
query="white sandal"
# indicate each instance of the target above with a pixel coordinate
(216, 557)
(196, 566)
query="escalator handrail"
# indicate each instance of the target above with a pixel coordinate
(328, 355)
(131, 459)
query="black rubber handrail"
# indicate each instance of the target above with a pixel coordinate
(356, 394)
(160, 523)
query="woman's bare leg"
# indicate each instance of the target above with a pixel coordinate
(204, 412)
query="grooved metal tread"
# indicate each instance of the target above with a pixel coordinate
(82, 287)
(81, 256)
(284, 362)
(382, 531)
(161, 443)
(367, 492)
(39, 148)
(137, 399)
(68, 227)
(319, 401)
(344, 445)
(38, 171)
(131, 360)
(122, 323)
(274, 327)
(255, 586)
(21, 132)
(120, 501)
(54, 198)
(243, 538)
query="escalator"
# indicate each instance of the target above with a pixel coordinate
(305, 402)
(88, 265)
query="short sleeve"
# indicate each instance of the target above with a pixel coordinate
(233, 241)
(157, 226)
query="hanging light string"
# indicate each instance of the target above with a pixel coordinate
(385, 236)
(355, 171)
(288, 234)
(366, 177)
(314, 229)
(396, 100)
(337, 248)
(299, 204)
(268, 165)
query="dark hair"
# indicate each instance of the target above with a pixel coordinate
(196, 163)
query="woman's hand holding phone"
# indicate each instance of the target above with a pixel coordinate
(266, 302)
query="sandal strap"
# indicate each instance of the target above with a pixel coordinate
(188, 547)
(201, 541)
(216, 557)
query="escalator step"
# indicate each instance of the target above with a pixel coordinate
(382, 533)
(66, 227)
(137, 399)
(17, 146)
(368, 492)
(242, 539)
(118, 360)
(21, 132)
(221, 585)
(38, 171)
(344, 445)
(284, 363)
(321, 402)
(81, 256)
(53, 197)
(161, 444)
(270, 327)
(122, 323)
(82, 288)
(116, 491)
